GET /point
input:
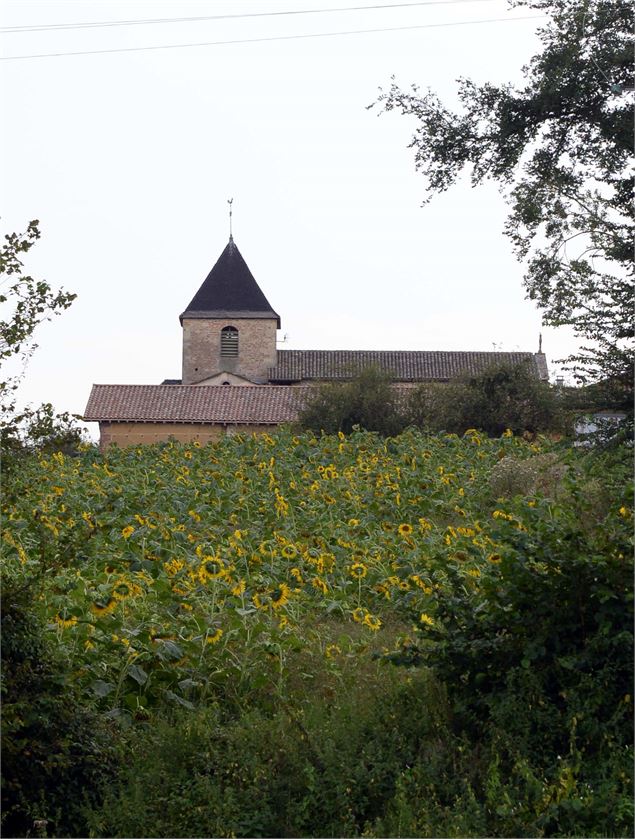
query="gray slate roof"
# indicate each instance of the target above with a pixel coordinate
(249, 405)
(230, 291)
(415, 366)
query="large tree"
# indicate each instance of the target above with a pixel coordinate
(560, 148)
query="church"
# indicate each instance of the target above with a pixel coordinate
(235, 379)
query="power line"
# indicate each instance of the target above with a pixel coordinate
(273, 38)
(147, 21)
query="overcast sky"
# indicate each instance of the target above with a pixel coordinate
(128, 159)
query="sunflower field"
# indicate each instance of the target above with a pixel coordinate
(275, 574)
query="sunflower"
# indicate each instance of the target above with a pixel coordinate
(280, 595)
(122, 590)
(239, 588)
(372, 622)
(359, 614)
(405, 529)
(358, 570)
(425, 588)
(173, 566)
(215, 637)
(65, 623)
(380, 588)
(426, 620)
(289, 552)
(325, 563)
(318, 582)
(332, 650)
(494, 558)
(127, 531)
(103, 608)
(353, 522)
(212, 568)
(260, 600)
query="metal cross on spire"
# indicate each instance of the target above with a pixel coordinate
(230, 201)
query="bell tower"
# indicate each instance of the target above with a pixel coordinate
(229, 327)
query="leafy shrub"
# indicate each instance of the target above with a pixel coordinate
(56, 754)
(502, 397)
(540, 473)
(307, 768)
(37, 430)
(366, 401)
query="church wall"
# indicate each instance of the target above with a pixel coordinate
(139, 433)
(201, 349)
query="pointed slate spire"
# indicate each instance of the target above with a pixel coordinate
(230, 291)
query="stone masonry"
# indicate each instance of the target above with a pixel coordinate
(201, 349)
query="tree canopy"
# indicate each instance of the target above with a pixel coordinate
(560, 149)
(26, 302)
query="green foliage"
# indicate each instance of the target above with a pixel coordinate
(560, 147)
(56, 753)
(322, 763)
(26, 303)
(480, 788)
(366, 401)
(540, 659)
(233, 611)
(37, 429)
(502, 397)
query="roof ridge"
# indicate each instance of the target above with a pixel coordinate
(417, 352)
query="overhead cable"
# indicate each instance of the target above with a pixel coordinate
(272, 38)
(45, 27)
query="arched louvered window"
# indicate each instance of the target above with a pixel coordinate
(229, 342)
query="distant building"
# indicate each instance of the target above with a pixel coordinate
(235, 379)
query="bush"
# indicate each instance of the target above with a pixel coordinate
(366, 401)
(541, 473)
(502, 397)
(56, 754)
(308, 768)
(37, 429)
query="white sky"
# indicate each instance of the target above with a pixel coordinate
(128, 160)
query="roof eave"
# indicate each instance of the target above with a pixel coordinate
(224, 314)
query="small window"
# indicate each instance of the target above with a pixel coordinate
(229, 342)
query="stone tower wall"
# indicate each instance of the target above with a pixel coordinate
(201, 349)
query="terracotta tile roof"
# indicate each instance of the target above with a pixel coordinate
(230, 291)
(425, 366)
(251, 404)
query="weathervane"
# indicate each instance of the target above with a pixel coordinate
(230, 201)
